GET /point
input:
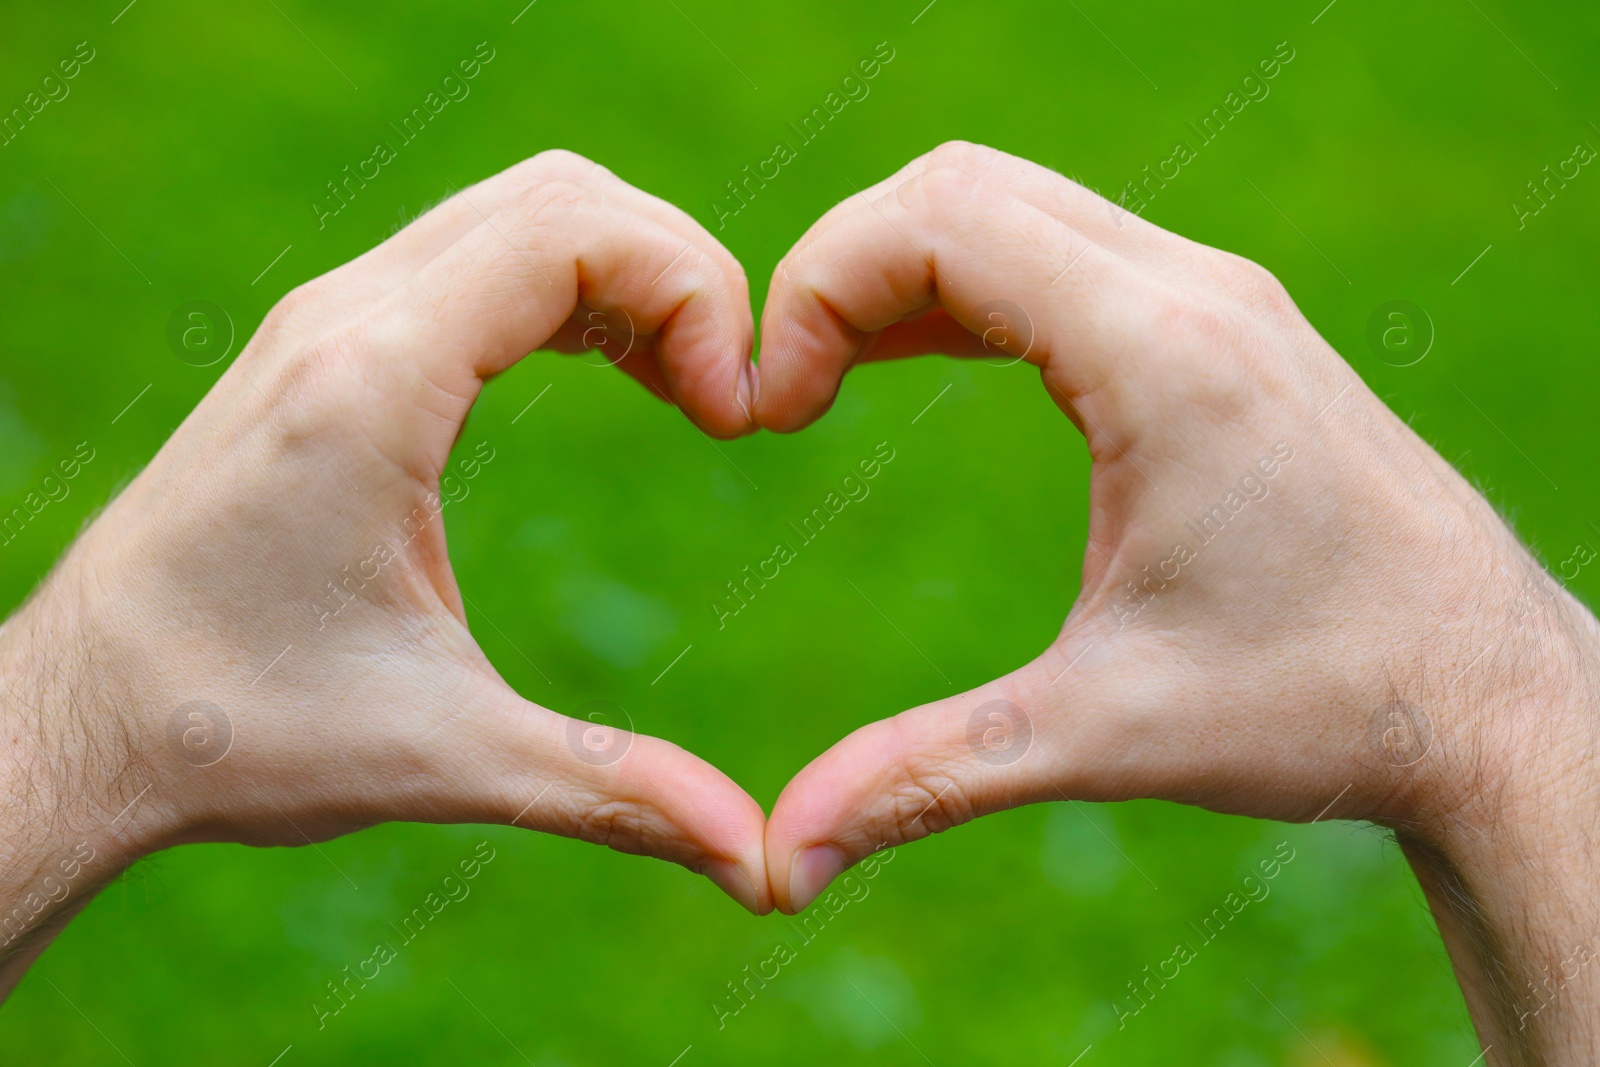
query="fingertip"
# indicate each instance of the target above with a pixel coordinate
(745, 397)
(644, 795)
(796, 390)
(808, 346)
(830, 816)
(739, 883)
(716, 390)
(898, 780)
(746, 394)
(721, 422)
(704, 344)
(710, 815)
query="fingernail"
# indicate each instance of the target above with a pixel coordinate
(755, 383)
(810, 872)
(732, 880)
(745, 394)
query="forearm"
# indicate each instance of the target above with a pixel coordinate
(1519, 927)
(70, 793)
(1511, 868)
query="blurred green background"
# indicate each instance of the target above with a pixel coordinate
(1383, 163)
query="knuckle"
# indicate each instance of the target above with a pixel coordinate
(620, 825)
(294, 308)
(1218, 370)
(299, 297)
(800, 271)
(308, 394)
(338, 353)
(1204, 329)
(944, 191)
(1200, 322)
(321, 371)
(694, 260)
(950, 174)
(554, 165)
(552, 194)
(558, 162)
(961, 155)
(561, 191)
(928, 799)
(1255, 283)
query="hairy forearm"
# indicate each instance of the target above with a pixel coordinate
(1517, 918)
(1511, 867)
(69, 788)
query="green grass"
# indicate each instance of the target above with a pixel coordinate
(196, 141)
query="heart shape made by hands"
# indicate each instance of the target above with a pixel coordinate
(1241, 640)
(1211, 600)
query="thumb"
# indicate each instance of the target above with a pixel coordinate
(590, 777)
(1017, 740)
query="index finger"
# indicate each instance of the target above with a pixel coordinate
(508, 286)
(946, 237)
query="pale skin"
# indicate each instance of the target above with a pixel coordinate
(1356, 634)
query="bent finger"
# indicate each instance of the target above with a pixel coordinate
(378, 272)
(510, 286)
(942, 238)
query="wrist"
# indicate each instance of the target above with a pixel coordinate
(79, 802)
(1506, 853)
(1525, 744)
